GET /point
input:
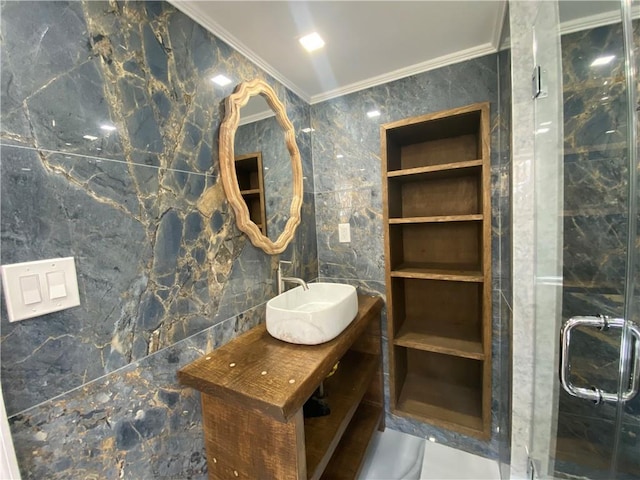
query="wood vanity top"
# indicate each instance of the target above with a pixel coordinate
(270, 375)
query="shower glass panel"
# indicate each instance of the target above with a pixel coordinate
(587, 268)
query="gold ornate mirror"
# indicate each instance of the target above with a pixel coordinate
(228, 129)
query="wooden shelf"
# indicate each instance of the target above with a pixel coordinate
(247, 193)
(346, 462)
(435, 401)
(458, 273)
(442, 195)
(436, 189)
(437, 219)
(436, 245)
(441, 337)
(436, 171)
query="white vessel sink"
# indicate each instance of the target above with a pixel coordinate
(313, 316)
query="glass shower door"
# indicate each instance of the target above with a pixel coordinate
(588, 425)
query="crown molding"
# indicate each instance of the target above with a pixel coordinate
(445, 60)
(193, 10)
(594, 21)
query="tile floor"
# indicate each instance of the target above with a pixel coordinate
(397, 456)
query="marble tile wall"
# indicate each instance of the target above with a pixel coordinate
(595, 245)
(346, 157)
(108, 133)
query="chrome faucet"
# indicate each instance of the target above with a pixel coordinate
(283, 280)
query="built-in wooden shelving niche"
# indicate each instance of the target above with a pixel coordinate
(251, 183)
(437, 214)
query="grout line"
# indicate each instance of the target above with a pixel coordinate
(132, 364)
(104, 159)
(351, 189)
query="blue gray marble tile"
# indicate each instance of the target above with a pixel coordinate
(136, 422)
(109, 140)
(595, 242)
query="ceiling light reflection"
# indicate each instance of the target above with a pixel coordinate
(221, 80)
(602, 60)
(373, 113)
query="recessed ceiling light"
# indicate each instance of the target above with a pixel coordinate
(107, 127)
(602, 60)
(312, 42)
(221, 80)
(373, 113)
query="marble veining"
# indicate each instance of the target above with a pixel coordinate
(596, 176)
(137, 422)
(108, 137)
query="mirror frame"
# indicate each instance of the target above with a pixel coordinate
(233, 103)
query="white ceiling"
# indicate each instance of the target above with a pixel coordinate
(367, 42)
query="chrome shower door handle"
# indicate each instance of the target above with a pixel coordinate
(595, 394)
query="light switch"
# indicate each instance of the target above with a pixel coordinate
(35, 288)
(30, 287)
(56, 284)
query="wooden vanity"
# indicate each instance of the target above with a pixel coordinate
(253, 390)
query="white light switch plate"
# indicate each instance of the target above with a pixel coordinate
(35, 288)
(344, 233)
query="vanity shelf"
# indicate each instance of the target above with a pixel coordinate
(437, 216)
(253, 390)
